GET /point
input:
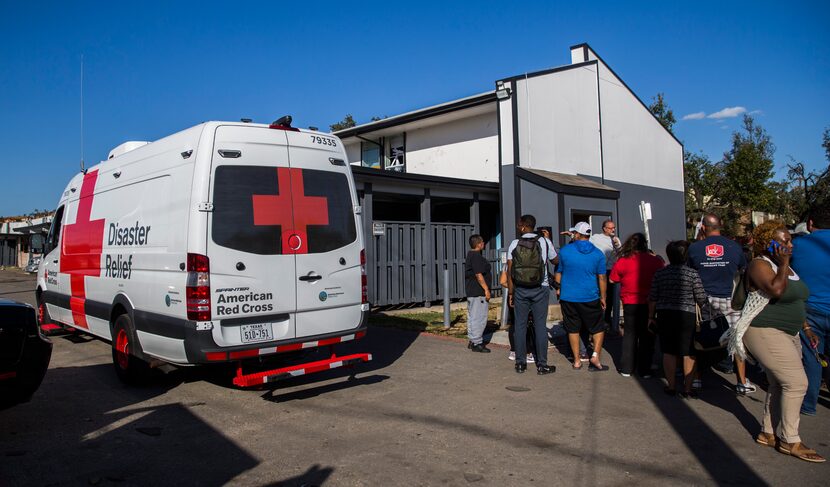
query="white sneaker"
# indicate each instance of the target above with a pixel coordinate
(512, 356)
(530, 358)
(624, 374)
(745, 388)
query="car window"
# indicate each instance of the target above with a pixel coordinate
(55, 230)
(251, 208)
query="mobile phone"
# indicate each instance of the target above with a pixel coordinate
(773, 246)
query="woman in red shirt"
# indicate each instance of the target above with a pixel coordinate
(634, 271)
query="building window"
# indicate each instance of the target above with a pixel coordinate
(370, 155)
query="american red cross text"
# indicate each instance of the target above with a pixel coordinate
(277, 210)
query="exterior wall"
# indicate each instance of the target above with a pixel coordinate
(541, 203)
(636, 148)
(353, 152)
(667, 211)
(507, 159)
(466, 149)
(558, 122)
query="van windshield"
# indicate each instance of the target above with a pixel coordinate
(256, 208)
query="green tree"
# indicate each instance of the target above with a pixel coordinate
(661, 110)
(747, 174)
(347, 122)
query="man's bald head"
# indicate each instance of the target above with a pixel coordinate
(711, 224)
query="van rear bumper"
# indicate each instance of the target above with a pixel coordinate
(202, 349)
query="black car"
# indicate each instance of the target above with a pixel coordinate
(24, 352)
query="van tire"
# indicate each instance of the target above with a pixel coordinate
(128, 367)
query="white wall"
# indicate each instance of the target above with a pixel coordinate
(353, 152)
(558, 122)
(465, 148)
(636, 148)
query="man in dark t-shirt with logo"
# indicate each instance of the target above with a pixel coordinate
(718, 260)
(477, 286)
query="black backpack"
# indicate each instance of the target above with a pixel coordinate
(528, 265)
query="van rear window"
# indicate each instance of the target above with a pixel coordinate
(254, 206)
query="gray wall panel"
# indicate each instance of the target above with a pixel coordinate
(667, 210)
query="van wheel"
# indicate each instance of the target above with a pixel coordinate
(129, 368)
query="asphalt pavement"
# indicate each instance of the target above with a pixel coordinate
(426, 412)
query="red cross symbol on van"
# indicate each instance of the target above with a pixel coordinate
(292, 210)
(81, 249)
(714, 250)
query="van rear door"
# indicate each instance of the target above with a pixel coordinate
(325, 239)
(252, 275)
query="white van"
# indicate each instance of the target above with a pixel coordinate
(226, 241)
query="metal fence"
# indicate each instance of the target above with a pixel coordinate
(407, 262)
(8, 252)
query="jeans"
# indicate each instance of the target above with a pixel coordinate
(820, 324)
(525, 301)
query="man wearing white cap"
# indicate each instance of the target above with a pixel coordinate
(581, 274)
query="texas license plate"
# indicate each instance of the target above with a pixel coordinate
(258, 332)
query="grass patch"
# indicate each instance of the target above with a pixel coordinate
(431, 322)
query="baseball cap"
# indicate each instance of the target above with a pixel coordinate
(581, 228)
(801, 229)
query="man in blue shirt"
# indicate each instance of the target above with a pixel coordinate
(581, 275)
(718, 260)
(811, 261)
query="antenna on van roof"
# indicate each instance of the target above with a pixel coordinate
(83, 169)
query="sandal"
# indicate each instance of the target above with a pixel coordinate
(766, 439)
(800, 451)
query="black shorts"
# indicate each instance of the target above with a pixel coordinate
(676, 330)
(583, 316)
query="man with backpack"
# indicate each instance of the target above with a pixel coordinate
(529, 291)
(581, 274)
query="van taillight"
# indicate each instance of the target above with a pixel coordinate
(364, 281)
(198, 287)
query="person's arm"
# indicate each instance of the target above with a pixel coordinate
(614, 276)
(652, 315)
(510, 282)
(603, 286)
(698, 292)
(484, 285)
(811, 336)
(764, 278)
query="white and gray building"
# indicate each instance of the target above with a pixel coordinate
(567, 144)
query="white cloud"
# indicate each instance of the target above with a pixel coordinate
(694, 116)
(729, 112)
(756, 112)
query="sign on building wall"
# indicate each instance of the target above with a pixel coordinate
(378, 228)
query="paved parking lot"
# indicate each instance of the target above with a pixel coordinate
(425, 412)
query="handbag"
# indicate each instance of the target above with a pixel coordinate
(708, 332)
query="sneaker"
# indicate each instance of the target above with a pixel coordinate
(646, 376)
(480, 348)
(583, 357)
(530, 358)
(512, 356)
(624, 374)
(697, 384)
(745, 388)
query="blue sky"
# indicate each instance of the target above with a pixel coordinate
(153, 68)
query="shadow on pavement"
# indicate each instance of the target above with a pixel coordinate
(312, 477)
(114, 438)
(722, 463)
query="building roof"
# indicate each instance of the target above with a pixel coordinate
(441, 109)
(368, 174)
(567, 183)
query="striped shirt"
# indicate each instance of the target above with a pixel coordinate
(678, 288)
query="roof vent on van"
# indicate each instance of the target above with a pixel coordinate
(126, 147)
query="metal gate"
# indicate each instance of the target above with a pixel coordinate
(8, 252)
(406, 263)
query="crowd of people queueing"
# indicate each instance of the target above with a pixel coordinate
(776, 304)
